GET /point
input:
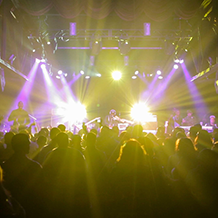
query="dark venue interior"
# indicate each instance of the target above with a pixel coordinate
(100, 100)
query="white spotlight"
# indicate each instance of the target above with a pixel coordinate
(181, 61)
(58, 77)
(136, 72)
(48, 43)
(175, 66)
(82, 72)
(134, 77)
(116, 75)
(139, 112)
(98, 75)
(159, 72)
(160, 77)
(43, 66)
(87, 77)
(60, 72)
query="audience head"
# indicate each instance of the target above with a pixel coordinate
(176, 130)
(44, 131)
(148, 145)
(124, 136)
(54, 132)
(95, 131)
(41, 141)
(8, 137)
(76, 140)
(131, 153)
(62, 127)
(62, 140)
(20, 143)
(184, 147)
(203, 140)
(193, 131)
(90, 139)
(180, 135)
(137, 131)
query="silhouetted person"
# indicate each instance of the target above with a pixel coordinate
(65, 173)
(46, 149)
(22, 176)
(7, 150)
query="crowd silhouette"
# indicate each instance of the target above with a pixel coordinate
(55, 173)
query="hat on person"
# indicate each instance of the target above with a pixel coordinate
(212, 116)
(112, 111)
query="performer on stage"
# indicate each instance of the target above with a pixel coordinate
(212, 122)
(189, 120)
(112, 119)
(19, 117)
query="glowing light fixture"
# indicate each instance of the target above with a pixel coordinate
(98, 75)
(82, 72)
(43, 66)
(139, 112)
(116, 75)
(136, 72)
(175, 66)
(87, 77)
(134, 77)
(60, 72)
(159, 72)
(160, 77)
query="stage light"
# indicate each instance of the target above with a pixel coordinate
(72, 112)
(65, 74)
(87, 77)
(34, 50)
(151, 75)
(98, 75)
(116, 75)
(37, 60)
(82, 72)
(48, 43)
(181, 61)
(60, 72)
(43, 60)
(134, 77)
(175, 66)
(139, 112)
(160, 77)
(136, 72)
(58, 77)
(43, 66)
(159, 72)
(176, 61)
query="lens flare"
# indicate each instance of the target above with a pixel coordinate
(140, 112)
(116, 75)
